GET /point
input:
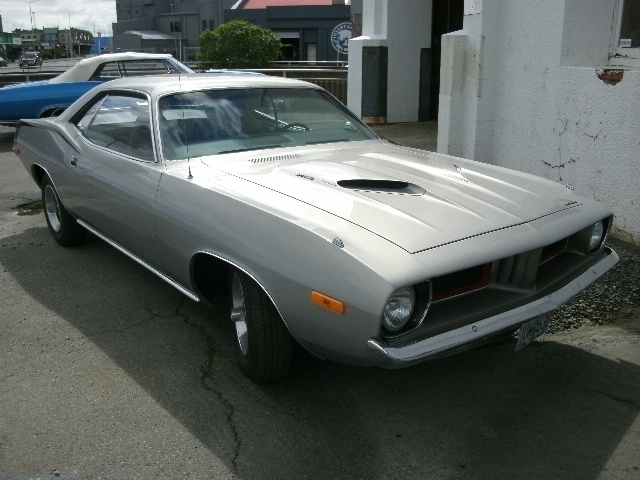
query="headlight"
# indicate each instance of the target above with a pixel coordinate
(399, 309)
(590, 240)
(597, 236)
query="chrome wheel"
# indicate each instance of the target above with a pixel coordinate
(239, 314)
(263, 346)
(52, 208)
(63, 227)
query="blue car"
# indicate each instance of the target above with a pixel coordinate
(48, 98)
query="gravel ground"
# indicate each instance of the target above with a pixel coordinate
(615, 298)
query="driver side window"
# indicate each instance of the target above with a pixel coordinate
(120, 122)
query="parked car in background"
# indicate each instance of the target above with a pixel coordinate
(270, 191)
(30, 59)
(48, 98)
(3, 62)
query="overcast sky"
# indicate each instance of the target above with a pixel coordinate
(85, 14)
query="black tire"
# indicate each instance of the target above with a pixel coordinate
(262, 343)
(63, 227)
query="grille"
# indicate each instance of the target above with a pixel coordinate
(519, 270)
(470, 295)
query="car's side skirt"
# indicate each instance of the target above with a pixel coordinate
(137, 259)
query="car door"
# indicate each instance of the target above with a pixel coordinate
(116, 174)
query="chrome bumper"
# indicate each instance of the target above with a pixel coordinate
(482, 331)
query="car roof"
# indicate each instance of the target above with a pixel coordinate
(172, 83)
(78, 73)
(159, 85)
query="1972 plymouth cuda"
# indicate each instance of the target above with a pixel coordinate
(321, 233)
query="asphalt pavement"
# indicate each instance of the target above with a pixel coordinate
(107, 372)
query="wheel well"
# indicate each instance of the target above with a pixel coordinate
(38, 174)
(210, 276)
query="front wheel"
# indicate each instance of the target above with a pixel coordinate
(63, 227)
(263, 345)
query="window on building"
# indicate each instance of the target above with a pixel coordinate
(630, 24)
(627, 51)
(176, 27)
(207, 25)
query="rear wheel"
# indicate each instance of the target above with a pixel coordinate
(263, 345)
(63, 227)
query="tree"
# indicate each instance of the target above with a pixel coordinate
(239, 44)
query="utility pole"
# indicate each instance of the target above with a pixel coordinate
(71, 44)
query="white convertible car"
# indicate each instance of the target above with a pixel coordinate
(48, 98)
(321, 233)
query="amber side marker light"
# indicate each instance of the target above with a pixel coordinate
(327, 302)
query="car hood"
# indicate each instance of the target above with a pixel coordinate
(417, 200)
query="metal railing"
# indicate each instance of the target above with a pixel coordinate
(332, 79)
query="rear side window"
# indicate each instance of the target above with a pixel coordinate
(131, 68)
(120, 122)
(106, 72)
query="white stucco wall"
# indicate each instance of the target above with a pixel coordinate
(530, 99)
(404, 29)
(374, 34)
(409, 30)
(459, 89)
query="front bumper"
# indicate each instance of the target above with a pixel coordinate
(484, 330)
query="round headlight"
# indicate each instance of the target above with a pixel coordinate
(597, 235)
(399, 309)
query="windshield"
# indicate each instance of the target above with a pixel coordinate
(195, 124)
(176, 67)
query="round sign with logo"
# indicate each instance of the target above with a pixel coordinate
(340, 37)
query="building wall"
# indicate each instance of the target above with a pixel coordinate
(409, 31)
(157, 15)
(101, 45)
(311, 24)
(374, 35)
(403, 30)
(521, 88)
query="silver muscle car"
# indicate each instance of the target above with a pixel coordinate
(321, 233)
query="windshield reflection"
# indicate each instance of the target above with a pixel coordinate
(213, 122)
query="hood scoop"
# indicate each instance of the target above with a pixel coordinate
(381, 186)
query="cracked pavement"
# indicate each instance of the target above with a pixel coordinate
(108, 372)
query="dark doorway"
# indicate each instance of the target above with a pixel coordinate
(290, 49)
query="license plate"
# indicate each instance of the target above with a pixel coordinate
(533, 329)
